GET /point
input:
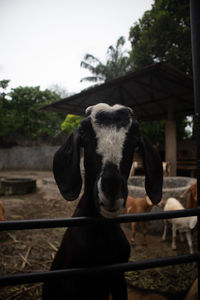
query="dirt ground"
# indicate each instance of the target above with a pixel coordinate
(33, 250)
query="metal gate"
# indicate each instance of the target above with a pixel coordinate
(83, 221)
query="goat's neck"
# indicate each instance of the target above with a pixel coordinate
(86, 207)
(87, 202)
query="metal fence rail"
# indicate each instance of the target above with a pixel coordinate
(85, 221)
(79, 221)
(140, 265)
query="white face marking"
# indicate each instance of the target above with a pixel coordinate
(110, 214)
(110, 143)
(110, 139)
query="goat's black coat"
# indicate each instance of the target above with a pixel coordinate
(96, 245)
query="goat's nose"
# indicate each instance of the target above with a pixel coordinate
(112, 182)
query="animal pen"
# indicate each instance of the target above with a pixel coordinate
(84, 221)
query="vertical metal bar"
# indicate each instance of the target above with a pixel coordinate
(195, 36)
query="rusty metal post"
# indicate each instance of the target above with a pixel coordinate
(195, 36)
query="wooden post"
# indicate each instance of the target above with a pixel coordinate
(170, 141)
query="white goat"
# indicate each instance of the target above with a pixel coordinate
(185, 224)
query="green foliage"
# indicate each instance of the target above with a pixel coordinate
(155, 131)
(117, 64)
(184, 128)
(163, 35)
(71, 122)
(4, 84)
(5, 109)
(20, 114)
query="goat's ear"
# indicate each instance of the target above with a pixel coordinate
(153, 170)
(66, 167)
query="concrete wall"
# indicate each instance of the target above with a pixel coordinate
(34, 158)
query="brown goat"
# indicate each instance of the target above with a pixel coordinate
(191, 200)
(2, 212)
(138, 205)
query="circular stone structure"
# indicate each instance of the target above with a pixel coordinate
(18, 186)
(172, 186)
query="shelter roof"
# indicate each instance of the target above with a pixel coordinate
(149, 92)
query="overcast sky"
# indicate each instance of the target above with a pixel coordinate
(42, 42)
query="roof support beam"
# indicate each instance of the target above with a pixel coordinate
(170, 140)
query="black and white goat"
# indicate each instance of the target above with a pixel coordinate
(109, 136)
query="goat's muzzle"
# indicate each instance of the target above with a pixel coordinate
(112, 192)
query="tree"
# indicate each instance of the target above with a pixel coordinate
(163, 35)
(3, 85)
(5, 109)
(20, 115)
(117, 64)
(71, 122)
(59, 90)
(155, 130)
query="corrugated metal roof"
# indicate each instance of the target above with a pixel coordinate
(149, 91)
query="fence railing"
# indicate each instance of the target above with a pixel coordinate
(84, 221)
